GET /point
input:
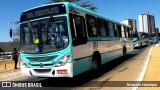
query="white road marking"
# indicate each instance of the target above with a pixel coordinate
(141, 76)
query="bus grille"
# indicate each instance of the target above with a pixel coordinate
(41, 59)
(42, 70)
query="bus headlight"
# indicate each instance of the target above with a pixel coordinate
(25, 64)
(63, 60)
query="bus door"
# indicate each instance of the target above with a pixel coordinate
(79, 41)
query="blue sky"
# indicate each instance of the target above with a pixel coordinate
(115, 9)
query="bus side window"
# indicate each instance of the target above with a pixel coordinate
(78, 30)
(123, 31)
(116, 34)
(111, 29)
(73, 33)
(119, 30)
(128, 32)
(102, 27)
(91, 26)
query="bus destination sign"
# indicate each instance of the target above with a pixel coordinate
(43, 11)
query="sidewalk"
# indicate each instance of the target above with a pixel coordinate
(153, 69)
(7, 70)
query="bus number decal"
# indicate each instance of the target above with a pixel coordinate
(95, 45)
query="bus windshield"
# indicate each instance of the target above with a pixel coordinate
(45, 35)
(135, 35)
(153, 35)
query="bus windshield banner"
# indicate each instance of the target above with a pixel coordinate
(43, 11)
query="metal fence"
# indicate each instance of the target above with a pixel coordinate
(5, 55)
(6, 62)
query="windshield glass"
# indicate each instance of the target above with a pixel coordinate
(45, 35)
(135, 35)
(153, 35)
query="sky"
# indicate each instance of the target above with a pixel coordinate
(114, 9)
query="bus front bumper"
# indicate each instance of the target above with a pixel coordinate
(61, 71)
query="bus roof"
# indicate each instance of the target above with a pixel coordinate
(94, 13)
(70, 5)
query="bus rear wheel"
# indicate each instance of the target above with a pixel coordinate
(124, 52)
(96, 64)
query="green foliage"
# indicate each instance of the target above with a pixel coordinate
(85, 4)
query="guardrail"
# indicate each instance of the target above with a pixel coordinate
(6, 55)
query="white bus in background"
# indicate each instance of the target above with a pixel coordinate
(140, 39)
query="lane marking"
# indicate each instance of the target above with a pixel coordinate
(140, 78)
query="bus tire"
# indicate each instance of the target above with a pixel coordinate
(124, 52)
(141, 44)
(146, 43)
(96, 62)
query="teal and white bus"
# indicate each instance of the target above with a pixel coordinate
(140, 39)
(64, 40)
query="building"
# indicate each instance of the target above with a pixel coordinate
(132, 23)
(147, 23)
(157, 31)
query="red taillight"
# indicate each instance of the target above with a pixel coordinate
(62, 72)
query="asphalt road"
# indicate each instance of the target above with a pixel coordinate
(113, 74)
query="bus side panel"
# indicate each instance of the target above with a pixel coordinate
(81, 59)
(109, 49)
(129, 45)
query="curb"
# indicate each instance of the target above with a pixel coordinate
(142, 74)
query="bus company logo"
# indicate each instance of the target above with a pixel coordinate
(41, 65)
(6, 84)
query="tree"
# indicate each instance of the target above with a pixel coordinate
(85, 4)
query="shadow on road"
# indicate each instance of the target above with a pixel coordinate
(84, 77)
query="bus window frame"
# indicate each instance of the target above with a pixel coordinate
(90, 27)
(79, 39)
(99, 22)
(111, 29)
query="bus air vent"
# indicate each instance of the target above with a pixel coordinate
(41, 59)
(42, 70)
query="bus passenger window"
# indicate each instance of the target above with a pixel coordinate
(126, 31)
(91, 26)
(111, 29)
(116, 30)
(119, 30)
(102, 28)
(123, 31)
(78, 30)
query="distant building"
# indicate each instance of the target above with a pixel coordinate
(157, 31)
(132, 23)
(147, 23)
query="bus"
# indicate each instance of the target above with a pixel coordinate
(65, 40)
(154, 38)
(140, 39)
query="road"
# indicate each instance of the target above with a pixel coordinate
(121, 69)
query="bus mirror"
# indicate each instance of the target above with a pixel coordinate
(10, 32)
